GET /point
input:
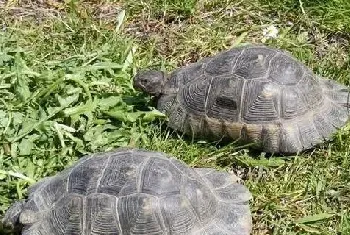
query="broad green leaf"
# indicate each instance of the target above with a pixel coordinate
(93, 132)
(314, 218)
(78, 141)
(129, 58)
(81, 109)
(59, 134)
(3, 118)
(71, 90)
(310, 229)
(64, 102)
(123, 116)
(25, 146)
(65, 127)
(27, 125)
(22, 88)
(17, 118)
(53, 112)
(2, 174)
(17, 175)
(152, 115)
(42, 113)
(104, 66)
(106, 103)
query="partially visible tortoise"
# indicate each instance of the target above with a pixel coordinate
(252, 93)
(133, 191)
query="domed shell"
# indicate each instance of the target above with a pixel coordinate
(132, 191)
(255, 94)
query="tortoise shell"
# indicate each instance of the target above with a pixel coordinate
(256, 94)
(133, 191)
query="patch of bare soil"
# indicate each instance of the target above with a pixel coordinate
(46, 9)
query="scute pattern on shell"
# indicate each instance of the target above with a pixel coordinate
(133, 191)
(255, 94)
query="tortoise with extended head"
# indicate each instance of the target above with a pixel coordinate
(252, 93)
(132, 191)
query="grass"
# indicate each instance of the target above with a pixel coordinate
(66, 90)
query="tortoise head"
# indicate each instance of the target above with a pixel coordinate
(17, 216)
(11, 221)
(151, 81)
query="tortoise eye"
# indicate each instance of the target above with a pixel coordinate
(226, 102)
